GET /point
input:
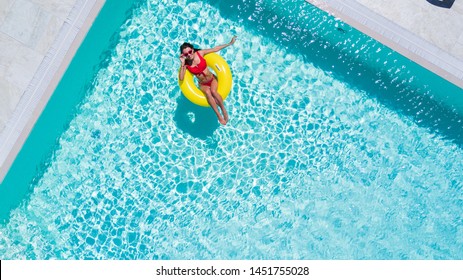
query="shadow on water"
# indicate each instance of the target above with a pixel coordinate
(199, 122)
(355, 58)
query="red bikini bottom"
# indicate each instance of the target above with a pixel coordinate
(208, 83)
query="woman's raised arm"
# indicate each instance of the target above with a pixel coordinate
(218, 48)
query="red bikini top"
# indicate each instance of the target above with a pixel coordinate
(198, 69)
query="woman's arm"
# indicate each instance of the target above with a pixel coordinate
(181, 73)
(218, 48)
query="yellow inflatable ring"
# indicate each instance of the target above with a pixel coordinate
(224, 78)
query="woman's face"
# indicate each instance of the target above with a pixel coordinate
(188, 53)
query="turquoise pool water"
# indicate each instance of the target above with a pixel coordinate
(325, 157)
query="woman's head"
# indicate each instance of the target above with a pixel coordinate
(185, 46)
(187, 51)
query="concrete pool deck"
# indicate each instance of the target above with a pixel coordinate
(38, 39)
(429, 35)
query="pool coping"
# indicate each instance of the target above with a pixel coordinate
(45, 80)
(396, 37)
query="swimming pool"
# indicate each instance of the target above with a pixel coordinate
(324, 157)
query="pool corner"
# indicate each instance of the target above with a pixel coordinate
(386, 24)
(39, 90)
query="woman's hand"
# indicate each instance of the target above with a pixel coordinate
(232, 41)
(182, 60)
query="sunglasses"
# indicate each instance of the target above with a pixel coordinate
(187, 54)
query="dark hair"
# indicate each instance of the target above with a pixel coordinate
(187, 45)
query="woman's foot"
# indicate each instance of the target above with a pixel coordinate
(222, 121)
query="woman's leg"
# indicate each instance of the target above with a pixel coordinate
(211, 100)
(218, 99)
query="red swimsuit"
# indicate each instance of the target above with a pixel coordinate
(199, 70)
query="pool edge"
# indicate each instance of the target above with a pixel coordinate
(45, 81)
(396, 37)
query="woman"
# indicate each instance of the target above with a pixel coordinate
(192, 59)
